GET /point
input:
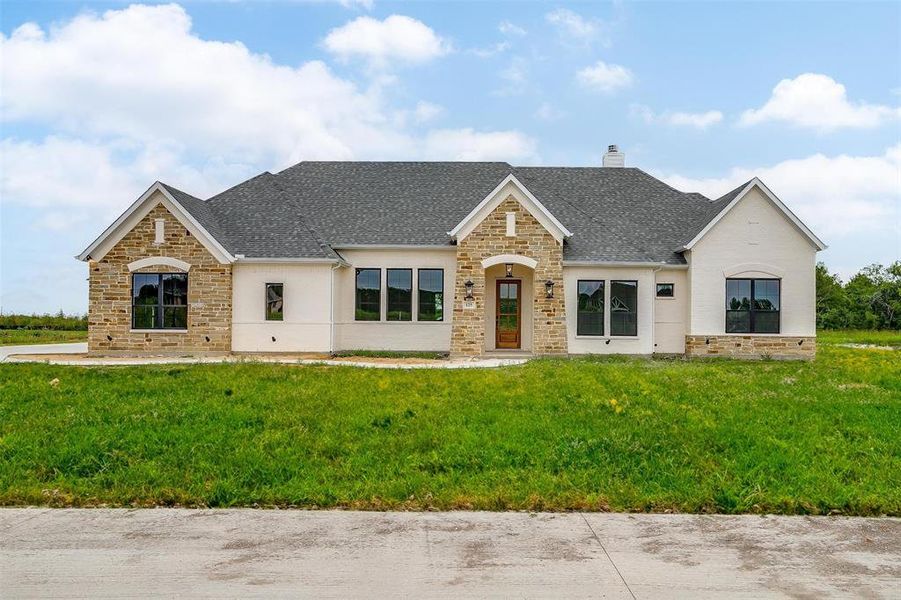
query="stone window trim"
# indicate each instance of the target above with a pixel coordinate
(158, 331)
(157, 261)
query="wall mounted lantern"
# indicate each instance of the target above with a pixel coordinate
(468, 286)
(509, 267)
(549, 289)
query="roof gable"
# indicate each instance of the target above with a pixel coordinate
(731, 199)
(157, 193)
(510, 186)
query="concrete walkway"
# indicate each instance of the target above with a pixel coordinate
(99, 553)
(72, 348)
(82, 360)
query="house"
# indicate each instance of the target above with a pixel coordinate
(464, 257)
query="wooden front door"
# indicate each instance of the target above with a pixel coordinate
(508, 321)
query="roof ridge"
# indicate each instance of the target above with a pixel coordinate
(239, 184)
(658, 180)
(172, 188)
(588, 215)
(736, 190)
(302, 220)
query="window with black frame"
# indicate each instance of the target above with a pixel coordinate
(590, 315)
(623, 308)
(431, 295)
(368, 295)
(159, 301)
(752, 305)
(665, 290)
(400, 295)
(275, 302)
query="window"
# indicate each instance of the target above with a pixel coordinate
(369, 295)
(431, 295)
(590, 317)
(400, 295)
(275, 301)
(159, 301)
(665, 290)
(623, 308)
(752, 305)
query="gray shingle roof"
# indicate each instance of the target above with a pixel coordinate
(201, 211)
(263, 222)
(615, 214)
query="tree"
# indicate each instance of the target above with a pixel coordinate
(831, 301)
(870, 300)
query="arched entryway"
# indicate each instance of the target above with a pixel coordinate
(509, 302)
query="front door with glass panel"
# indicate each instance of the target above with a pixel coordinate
(508, 320)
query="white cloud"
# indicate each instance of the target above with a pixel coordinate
(605, 77)
(701, 120)
(515, 77)
(833, 195)
(196, 113)
(818, 102)
(546, 112)
(510, 29)
(427, 111)
(99, 76)
(576, 29)
(82, 179)
(397, 38)
(466, 144)
(367, 4)
(489, 51)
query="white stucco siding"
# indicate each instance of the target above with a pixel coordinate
(306, 325)
(755, 239)
(392, 335)
(671, 314)
(643, 343)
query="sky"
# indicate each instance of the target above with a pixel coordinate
(99, 100)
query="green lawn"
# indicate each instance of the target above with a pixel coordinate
(888, 337)
(595, 434)
(15, 337)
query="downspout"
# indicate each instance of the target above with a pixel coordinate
(331, 308)
(654, 309)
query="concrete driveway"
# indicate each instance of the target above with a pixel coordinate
(71, 348)
(270, 553)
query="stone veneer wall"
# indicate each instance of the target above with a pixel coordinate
(751, 346)
(489, 239)
(209, 293)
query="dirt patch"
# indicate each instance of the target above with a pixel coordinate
(868, 346)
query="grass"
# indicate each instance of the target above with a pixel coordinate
(579, 434)
(885, 337)
(17, 337)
